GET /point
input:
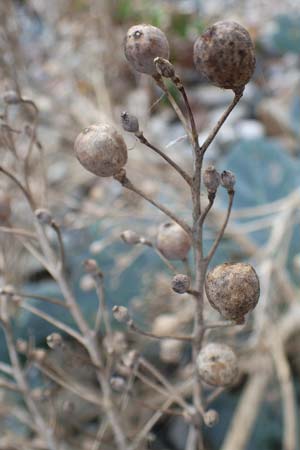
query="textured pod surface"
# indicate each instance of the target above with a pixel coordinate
(142, 44)
(173, 241)
(224, 53)
(233, 289)
(101, 150)
(217, 364)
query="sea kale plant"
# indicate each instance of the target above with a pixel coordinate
(224, 54)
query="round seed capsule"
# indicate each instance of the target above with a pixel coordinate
(101, 150)
(233, 290)
(173, 241)
(142, 44)
(225, 55)
(217, 364)
(181, 283)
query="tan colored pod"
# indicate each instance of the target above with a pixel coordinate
(217, 364)
(172, 241)
(224, 53)
(142, 44)
(101, 150)
(233, 289)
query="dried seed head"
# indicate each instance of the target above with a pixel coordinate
(129, 122)
(233, 290)
(165, 324)
(130, 237)
(217, 364)
(164, 67)
(173, 241)
(54, 340)
(211, 418)
(170, 351)
(101, 150)
(225, 54)
(211, 179)
(5, 208)
(142, 44)
(181, 283)
(121, 314)
(228, 180)
(11, 97)
(43, 216)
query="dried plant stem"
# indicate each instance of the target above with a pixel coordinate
(102, 312)
(170, 266)
(172, 163)
(57, 230)
(18, 231)
(133, 327)
(19, 184)
(130, 186)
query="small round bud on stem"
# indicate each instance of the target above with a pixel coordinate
(38, 355)
(121, 314)
(181, 283)
(217, 364)
(228, 180)
(43, 216)
(11, 97)
(211, 179)
(54, 341)
(130, 237)
(22, 346)
(233, 290)
(142, 44)
(211, 418)
(225, 54)
(117, 383)
(164, 67)
(172, 241)
(101, 150)
(91, 266)
(130, 123)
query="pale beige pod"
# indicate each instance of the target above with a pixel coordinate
(217, 364)
(172, 241)
(142, 44)
(101, 150)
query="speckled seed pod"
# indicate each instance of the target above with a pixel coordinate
(217, 364)
(173, 241)
(225, 55)
(181, 283)
(211, 179)
(101, 150)
(233, 290)
(142, 44)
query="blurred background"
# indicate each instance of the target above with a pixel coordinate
(67, 56)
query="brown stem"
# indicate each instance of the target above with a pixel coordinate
(138, 330)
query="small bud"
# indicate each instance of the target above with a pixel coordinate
(101, 150)
(142, 44)
(130, 123)
(225, 55)
(43, 216)
(87, 283)
(211, 418)
(173, 242)
(228, 180)
(91, 266)
(11, 97)
(165, 324)
(233, 290)
(117, 383)
(121, 314)
(211, 179)
(21, 346)
(181, 283)
(217, 364)
(54, 340)
(170, 351)
(164, 67)
(38, 355)
(130, 237)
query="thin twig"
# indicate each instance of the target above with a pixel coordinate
(133, 327)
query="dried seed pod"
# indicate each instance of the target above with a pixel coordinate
(44, 216)
(164, 67)
(211, 418)
(217, 364)
(211, 179)
(130, 237)
(181, 283)
(101, 150)
(54, 341)
(172, 241)
(118, 383)
(121, 314)
(142, 44)
(228, 180)
(11, 97)
(170, 351)
(225, 54)
(233, 290)
(129, 122)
